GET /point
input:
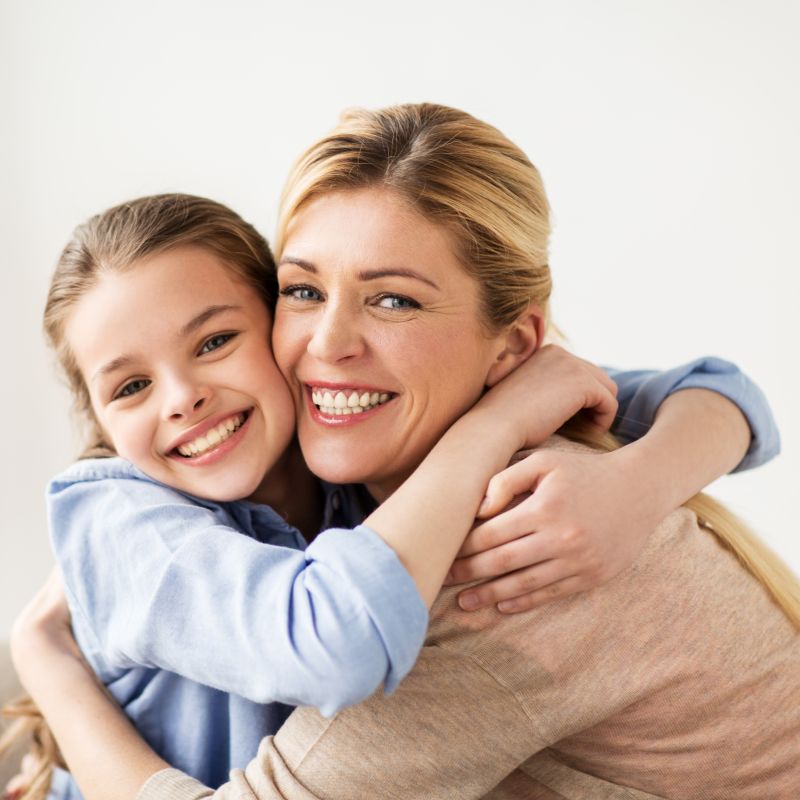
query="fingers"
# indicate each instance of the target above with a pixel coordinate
(518, 479)
(519, 520)
(503, 558)
(554, 591)
(542, 577)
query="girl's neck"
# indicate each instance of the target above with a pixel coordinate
(291, 490)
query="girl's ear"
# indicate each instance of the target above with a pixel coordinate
(520, 342)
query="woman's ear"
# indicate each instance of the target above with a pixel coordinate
(522, 339)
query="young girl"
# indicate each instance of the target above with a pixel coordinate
(159, 311)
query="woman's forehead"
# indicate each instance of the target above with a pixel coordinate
(371, 228)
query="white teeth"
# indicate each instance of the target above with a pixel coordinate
(347, 401)
(212, 437)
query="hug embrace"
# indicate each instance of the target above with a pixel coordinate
(295, 553)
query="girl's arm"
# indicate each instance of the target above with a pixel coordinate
(593, 513)
(156, 579)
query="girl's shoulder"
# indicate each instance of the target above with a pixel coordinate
(111, 478)
(99, 469)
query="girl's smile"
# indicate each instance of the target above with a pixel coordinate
(176, 355)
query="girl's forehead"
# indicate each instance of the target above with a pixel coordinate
(156, 303)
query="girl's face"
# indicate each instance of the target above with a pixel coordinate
(175, 353)
(378, 331)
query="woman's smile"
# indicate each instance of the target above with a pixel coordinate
(334, 404)
(379, 332)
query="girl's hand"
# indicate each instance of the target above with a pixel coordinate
(538, 397)
(571, 521)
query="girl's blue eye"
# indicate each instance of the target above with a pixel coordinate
(397, 302)
(305, 293)
(215, 342)
(132, 387)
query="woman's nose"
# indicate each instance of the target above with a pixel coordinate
(184, 398)
(336, 336)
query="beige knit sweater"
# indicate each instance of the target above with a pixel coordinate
(678, 679)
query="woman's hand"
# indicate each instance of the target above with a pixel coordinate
(538, 397)
(571, 522)
(42, 628)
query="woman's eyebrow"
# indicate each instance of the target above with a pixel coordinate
(365, 275)
(298, 262)
(401, 272)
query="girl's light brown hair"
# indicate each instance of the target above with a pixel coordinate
(464, 174)
(115, 241)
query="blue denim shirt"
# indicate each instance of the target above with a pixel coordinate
(641, 392)
(205, 636)
(197, 630)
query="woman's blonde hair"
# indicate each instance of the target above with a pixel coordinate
(464, 174)
(114, 241)
(457, 171)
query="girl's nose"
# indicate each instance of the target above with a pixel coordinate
(185, 398)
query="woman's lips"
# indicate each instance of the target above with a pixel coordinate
(215, 443)
(339, 405)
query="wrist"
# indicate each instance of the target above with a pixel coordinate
(493, 432)
(647, 473)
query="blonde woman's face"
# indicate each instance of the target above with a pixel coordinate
(378, 332)
(175, 353)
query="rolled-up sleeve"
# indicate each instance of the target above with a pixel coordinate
(155, 580)
(641, 392)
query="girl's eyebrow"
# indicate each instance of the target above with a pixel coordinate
(204, 316)
(365, 275)
(192, 325)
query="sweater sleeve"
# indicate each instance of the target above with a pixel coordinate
(450, 730)
(155, 580)
(641, 392)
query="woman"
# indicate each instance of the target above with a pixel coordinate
(628, 690)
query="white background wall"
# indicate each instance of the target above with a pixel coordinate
(667, 132)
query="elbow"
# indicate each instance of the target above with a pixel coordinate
(351, 680)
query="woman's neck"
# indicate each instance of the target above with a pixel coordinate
(291, 490)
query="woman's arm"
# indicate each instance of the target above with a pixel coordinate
(345, 757)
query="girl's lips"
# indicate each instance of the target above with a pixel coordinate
(221, 450)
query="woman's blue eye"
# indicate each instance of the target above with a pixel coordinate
(133, 387)
(215, 342)
(397, 302)
(301, 293)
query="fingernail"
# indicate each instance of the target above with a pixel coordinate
(506, 605)
(469, 601)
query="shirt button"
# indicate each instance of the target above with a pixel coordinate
(335, 501)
